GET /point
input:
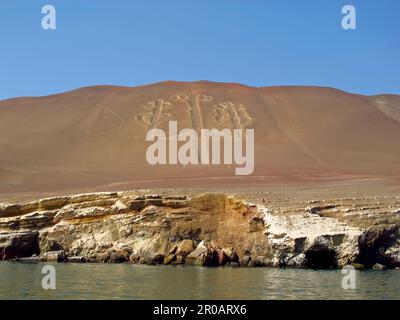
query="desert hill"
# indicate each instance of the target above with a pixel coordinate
(95, 136)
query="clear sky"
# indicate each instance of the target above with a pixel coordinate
(257, 42)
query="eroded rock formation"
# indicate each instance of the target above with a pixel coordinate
(206, 230)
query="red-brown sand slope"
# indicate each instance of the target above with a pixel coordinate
(96, 136)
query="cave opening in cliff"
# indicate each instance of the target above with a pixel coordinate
(321, 258)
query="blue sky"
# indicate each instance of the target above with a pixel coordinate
(258, 42)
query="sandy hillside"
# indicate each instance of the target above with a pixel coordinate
(95, 137)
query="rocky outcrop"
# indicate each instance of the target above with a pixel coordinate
(310, 240)
(18, 244)
(204, 230)
(54, 256)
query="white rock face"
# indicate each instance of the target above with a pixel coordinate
(298, 234)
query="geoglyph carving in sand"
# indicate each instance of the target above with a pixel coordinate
(155, 113)
(232, 115)
(228, 114)
(192, 101)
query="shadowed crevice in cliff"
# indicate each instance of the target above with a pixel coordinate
(22, 244)
(321, 257)
(377, 243)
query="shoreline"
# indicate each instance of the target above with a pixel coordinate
(204, 229)
(32, 260)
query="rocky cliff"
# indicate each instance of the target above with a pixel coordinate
(207, 229)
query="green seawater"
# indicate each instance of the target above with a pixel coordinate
(126, 281)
